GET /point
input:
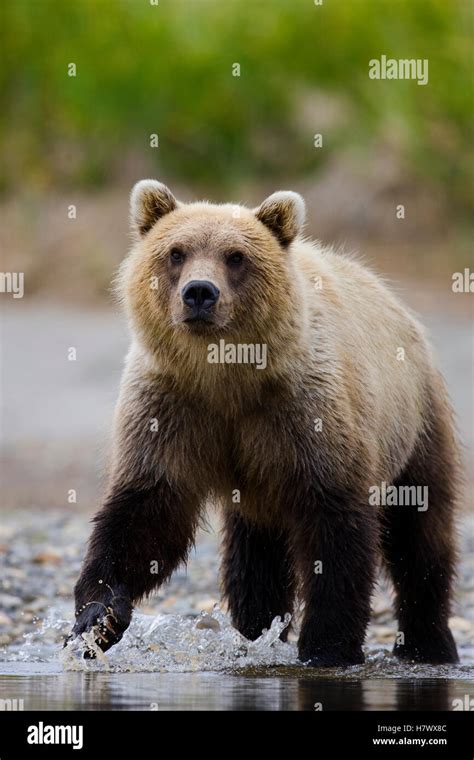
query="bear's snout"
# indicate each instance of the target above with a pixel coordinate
(199, 296)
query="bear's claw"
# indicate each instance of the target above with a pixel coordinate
(107, 623)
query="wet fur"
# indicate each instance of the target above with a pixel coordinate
(332, 355)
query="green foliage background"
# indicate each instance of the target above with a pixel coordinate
(143, 69)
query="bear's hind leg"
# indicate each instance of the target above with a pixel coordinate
(419, 545)
(257, 575)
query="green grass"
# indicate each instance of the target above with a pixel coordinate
(166, 69)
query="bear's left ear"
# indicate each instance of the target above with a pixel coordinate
(149, 201)
(284, 214)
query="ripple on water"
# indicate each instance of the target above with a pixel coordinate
(208, 643)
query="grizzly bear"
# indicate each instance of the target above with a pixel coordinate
(286, 383)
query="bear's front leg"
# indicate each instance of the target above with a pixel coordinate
(335, 546)
(140, 536)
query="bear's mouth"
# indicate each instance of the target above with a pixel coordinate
(201, 317)
(200, 322)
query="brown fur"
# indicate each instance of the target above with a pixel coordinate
(332, 355)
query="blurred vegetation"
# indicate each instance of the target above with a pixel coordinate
(167, 69)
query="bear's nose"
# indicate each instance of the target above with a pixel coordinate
(200, 294)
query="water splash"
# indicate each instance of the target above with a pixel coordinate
(206, 643)
(41, 644)
(173, 643)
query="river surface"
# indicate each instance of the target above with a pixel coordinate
(46, 687)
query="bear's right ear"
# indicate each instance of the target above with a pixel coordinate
(149, 201)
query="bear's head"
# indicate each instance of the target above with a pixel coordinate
(200, 272)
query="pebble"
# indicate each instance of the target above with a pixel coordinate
(16, 572)
(382, 632)
(460, 624)
(5, 619)
(47, 557)
(206, 621)
(10, 602)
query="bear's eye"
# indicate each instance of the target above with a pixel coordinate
(176, 255)
(235, 259)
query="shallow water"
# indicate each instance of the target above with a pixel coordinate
(169, 662)
(45, 687)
